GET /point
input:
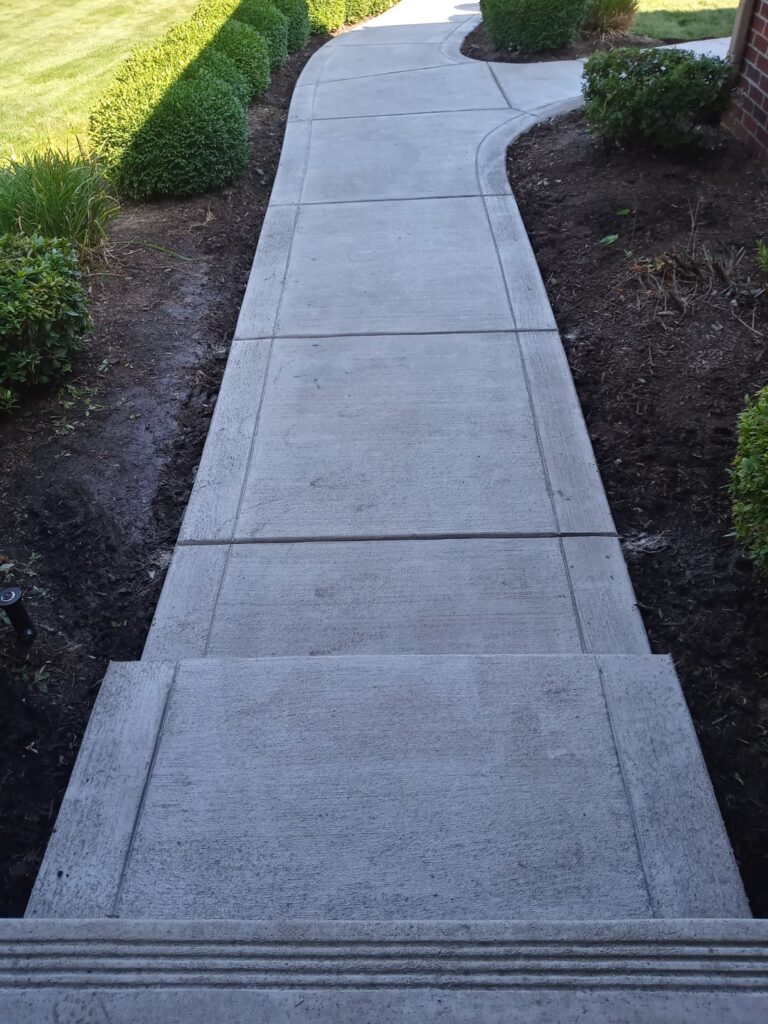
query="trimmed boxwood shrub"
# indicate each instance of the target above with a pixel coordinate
(749, 479)
(195, 139)
(326, 15)
(533, 25)
(655, 98)
(297, 15)
(260, 15)
(246, 47)
(271, 23)
(43, 312)
(211, 64)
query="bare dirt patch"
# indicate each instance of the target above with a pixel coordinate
(649, 263)
(94, 478)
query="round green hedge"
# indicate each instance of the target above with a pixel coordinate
(356, 10)
(247, 48)
(211, 64)
(271, 23)
(749, 480)
(326, 16)
(43, 312)
(533, 25)
(297, 16)
(195, 139)
(260, 15)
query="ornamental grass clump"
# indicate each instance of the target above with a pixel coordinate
(59, 195)
(654, 98)
(610, 17)
(749, 480)
(43, 312)
(533, 25)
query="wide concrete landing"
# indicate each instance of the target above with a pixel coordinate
(307, 972)
(390, 789)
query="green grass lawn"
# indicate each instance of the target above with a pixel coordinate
(685, 19)
(57, 56)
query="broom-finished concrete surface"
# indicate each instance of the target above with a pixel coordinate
(421, 688)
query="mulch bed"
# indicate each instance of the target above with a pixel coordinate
(650, 267)
(94, 479)
(478, 46)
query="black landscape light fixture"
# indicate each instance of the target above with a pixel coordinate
(12, 604)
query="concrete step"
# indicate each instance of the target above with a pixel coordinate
(636, 972)
(390, 788)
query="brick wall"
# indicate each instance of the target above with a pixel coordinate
(748, 115)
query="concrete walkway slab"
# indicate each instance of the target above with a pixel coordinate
(457, 87)
(394, 267)
(473, 595)
(358, 62)
(402, 157)
(400, 789)
(388, 436)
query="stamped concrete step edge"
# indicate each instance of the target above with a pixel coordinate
(676, 972)
(687, 860)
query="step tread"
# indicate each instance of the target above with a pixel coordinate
(675, 972)
(391, 788)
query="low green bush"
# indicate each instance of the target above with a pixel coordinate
(326, 15)
(59, 195)
(247, 49)
(263, 16)
(749, 479)
(43, 312)
(195, 139)
(297, 16)
(607, 17)
(260, 15)
(211, 64)
(533, 25)
(652, 97)
(356, 10)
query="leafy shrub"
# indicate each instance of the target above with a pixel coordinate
(356, 10)
(260, 15)
(247, 49)
(606, 17)
(271, 23)
(533, 25)
(762, 255)
(326, 15)
(749, 479)
(298, 22)
(656, 98)
(56, 194)
(195, 139)
(214, 65)
(43, 312)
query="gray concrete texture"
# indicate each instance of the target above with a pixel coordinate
(391, 788)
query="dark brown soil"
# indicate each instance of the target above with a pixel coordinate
(94, 478)
(478, 46)
(649, 263)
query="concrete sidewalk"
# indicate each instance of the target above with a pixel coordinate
(397, 672)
